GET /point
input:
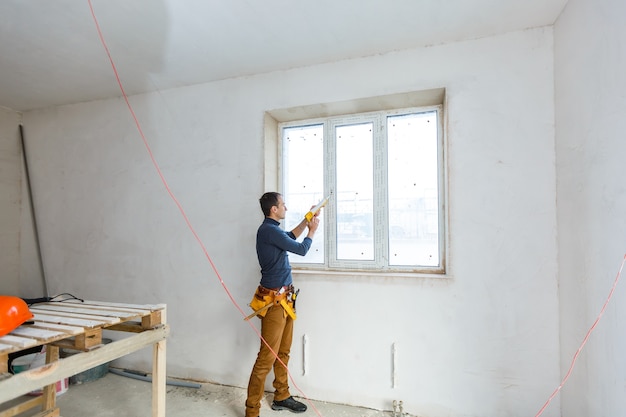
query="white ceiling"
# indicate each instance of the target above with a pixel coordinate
(51, 54)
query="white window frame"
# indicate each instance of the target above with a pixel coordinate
(331, 263)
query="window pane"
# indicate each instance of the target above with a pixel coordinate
(413, 195)
(303, 168)
(355, 185)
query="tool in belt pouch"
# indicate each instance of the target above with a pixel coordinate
(265, 298)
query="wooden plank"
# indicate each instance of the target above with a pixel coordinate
(128, 326)
(23, 342)
(21, 407)
(159, 376)
(72, 330)
(99, 307)
(33, 379)
(60, 308)
(73, 320)
(50, 391)
(42, 335)
(107, 320)
(49, 413)
(159, 379)
(151, 307)
(17, 343)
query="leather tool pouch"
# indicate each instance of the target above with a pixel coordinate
(264, 296)
(260, 300)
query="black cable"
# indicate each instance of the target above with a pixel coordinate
(71, 297)
(31, 301)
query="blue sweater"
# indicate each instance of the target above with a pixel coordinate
(272, 245)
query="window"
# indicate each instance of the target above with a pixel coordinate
(384, 171)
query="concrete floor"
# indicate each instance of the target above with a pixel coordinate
(120, 396)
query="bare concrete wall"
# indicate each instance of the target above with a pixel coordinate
(590, 62)
(482, 340)
(10, 183)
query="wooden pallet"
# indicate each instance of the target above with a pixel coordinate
(78, 325)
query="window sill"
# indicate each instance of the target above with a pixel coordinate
(335, 274)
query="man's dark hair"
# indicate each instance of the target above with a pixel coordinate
(269, 200)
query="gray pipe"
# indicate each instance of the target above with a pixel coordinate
(149, 379)
(32, 212)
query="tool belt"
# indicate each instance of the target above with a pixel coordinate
(265, 298)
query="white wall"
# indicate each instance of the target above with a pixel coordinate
(482, 341)
(10, 186)
(590, 63)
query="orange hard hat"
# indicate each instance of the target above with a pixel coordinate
(13, 312)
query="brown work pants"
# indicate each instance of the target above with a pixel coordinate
(277, 330)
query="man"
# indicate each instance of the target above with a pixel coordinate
(272, 245)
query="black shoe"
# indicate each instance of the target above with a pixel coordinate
(289, 404)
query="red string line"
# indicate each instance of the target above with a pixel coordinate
(182, 210)
(593, 326)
